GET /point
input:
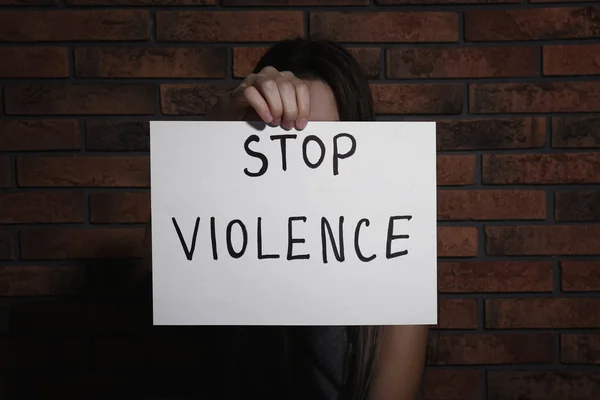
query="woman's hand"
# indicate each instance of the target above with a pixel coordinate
(278, 98)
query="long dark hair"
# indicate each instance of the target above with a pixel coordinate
(331, 63)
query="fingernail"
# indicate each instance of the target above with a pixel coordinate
(268, 117)
(302, 123)
(288, 125)
(276, 122)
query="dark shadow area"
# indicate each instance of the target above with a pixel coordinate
(259, 125)
(101, 344)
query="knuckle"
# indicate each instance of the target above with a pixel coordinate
(285, 85)
(250, 78)
(268, 85)
(248, 90)
(302, 87)
(288, 74)
(269, 70)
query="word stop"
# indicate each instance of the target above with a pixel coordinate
(336, 155)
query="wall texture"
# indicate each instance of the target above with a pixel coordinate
(514, 85)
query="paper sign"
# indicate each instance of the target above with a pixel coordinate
(332, 225)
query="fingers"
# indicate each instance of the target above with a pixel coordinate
(258, 103)
(279, 98)
(303, 103)
(268, 88)
(288, 99)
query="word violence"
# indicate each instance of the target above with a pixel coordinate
(327, 235)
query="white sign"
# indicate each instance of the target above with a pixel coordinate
(332, 225)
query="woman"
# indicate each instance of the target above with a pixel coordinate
(295, 82)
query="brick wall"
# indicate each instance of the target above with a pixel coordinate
(513, 84)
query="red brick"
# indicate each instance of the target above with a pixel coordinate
(581, 276)
(455, 170)
(457, 241)
(387, 27)
(69, 25)
(575, 131)
(189, 99)
(84, 171)
(571, 59)
(426, 2)
(7, 247)
(117, 135)
(516, 348)
(461, 62)
(532, 24)
(542, 97)
(294, 2)
(29, 207)
(141, 2)
(5, 172)
(491, 134)
(541, 168)
(80, 98)
(580, 348)
(495, 276)
(34, 62)
(251, 26)
(58, 244)
(491, 204)
(369, 60)
(457, 314)
(417, 99)
(542, 313)
(119, 207)
(543, 385)
(447, 384)
(543, 240)
(39, 134)
(150, 62)
(246, 58)
(51, 280)
(577, 205)
(79, 317)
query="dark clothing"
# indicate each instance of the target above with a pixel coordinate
(298, 362)
(283, 363)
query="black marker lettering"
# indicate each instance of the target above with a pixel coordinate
(361, 257)
(391, 236)
(292, 240)
(189, 253)
(230, 249)
(339, 255)
(304, 151)
(213, 238)
(262, 256)
(336, 155)
(262, 157)
(282, 139)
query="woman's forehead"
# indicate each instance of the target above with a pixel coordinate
(323, 106)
